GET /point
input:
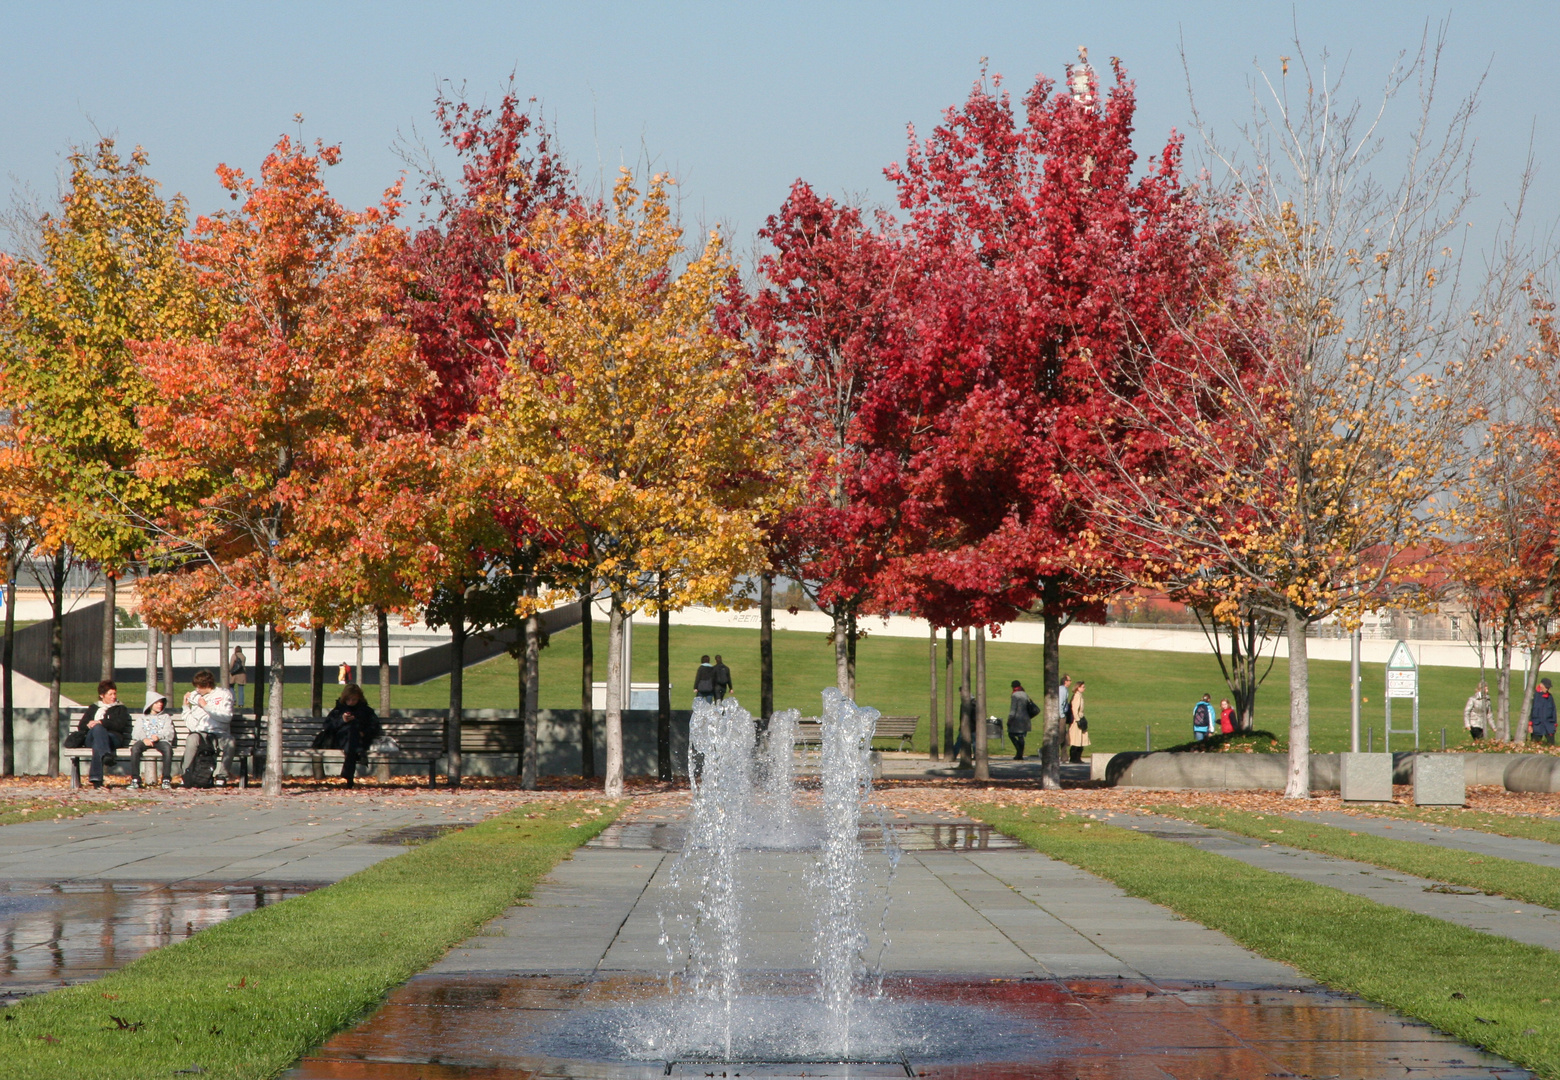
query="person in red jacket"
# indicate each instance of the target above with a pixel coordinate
(1226, 717)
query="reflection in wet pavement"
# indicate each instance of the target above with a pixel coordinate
(501, 1027)
(910, 836)
(54, 934)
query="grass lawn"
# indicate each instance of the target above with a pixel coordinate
(1486, 990)
(247, 997)
(1127, 689)
(1519, 880)
(15, 811)
(1523, 826)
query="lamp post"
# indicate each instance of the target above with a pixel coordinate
(1354, 690)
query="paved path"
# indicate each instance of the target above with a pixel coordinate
(1007, 912)
(1527, 923)
(303, 840)
(1481, 843)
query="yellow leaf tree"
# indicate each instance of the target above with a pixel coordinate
(627, 424)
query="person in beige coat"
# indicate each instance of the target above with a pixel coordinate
(1078, 730)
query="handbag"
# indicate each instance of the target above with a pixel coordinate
(384, 745)
(75, 740)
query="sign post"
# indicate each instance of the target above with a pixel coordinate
(1402, 682)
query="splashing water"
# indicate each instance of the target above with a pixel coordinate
(745, 800)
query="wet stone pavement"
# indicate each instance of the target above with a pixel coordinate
(80, 897)
(1012, 964)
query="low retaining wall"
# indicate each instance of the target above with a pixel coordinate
(1267, 772)
(1533, 772)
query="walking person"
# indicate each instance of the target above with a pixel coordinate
(106, 726)
(1541, 720)
(1202, 718)
(208, 716)
(153, 730)
(1226, 717)
(1021, 712)
(722, 678)
(704, 682)
(1064, 699)
(1476, 714)
(238, 677)
(357, 726)
(1078, 731)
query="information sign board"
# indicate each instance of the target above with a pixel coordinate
(1402, 683)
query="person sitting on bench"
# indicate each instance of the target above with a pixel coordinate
(106, 726)
(353, 727)
(208, 714)
(153, 729)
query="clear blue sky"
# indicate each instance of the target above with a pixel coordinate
(736, 99)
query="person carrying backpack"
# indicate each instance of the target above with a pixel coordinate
(1021, 711)
(1202, 718)
(704, 681)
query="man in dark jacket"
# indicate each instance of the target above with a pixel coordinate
(1021, 710)
(1541, 721)
(106, 725)
(704, 681)
(722, 678)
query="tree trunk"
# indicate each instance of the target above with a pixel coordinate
(56, 657)
(382, 622)
(1529, 688)
(982, 755)
(273, 712)
(1502, 716)
(533, 689)
(850, 651)
(1298, 784)
(949, 717)
(931, 731)
(167, 665)
(841, 653)
(151, 662)
(663, 698)
(110, 605)
(317, 672)
(457, 690)
(966, 732)
(1051, 666)
(259, 668)
(766, 650)
(224, 675)
(7, 657)
(587, 690)
(614, 784)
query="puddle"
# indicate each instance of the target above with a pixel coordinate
(54, 934)
(504, 1027)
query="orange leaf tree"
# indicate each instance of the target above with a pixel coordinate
(313, 377)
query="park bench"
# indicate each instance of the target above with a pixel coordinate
(151, 756)
(421, 741)
(810, 732)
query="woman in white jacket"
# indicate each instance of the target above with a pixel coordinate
(208, 714)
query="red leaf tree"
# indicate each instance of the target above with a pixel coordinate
(1038, 258)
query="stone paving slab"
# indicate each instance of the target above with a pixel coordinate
(1530, 924)
(227, 837)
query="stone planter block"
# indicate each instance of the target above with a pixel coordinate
(1440, 780)
(1365, 777)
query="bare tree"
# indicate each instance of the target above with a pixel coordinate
(1304, 423)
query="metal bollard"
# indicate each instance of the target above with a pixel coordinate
(1148, 738)
(1443, 740)
(1370, 740)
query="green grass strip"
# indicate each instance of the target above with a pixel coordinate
(1524, 881)
(1521, 826)
(248, 997)
(1486, 990)
(17, 811)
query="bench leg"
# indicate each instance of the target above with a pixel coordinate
(382, 772)
(319, 768)
(433, 764)
(75, 773)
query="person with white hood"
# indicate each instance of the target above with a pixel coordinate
(153, 730)
(208, 714)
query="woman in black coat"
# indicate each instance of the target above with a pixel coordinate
(1021, 710)
(355, 725)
